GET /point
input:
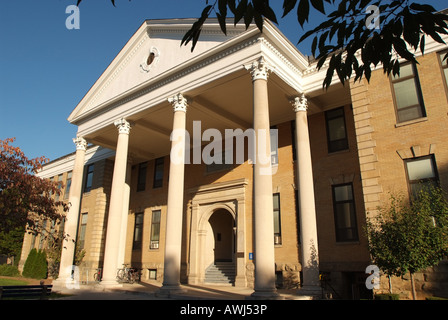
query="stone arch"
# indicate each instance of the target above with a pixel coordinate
(208, 200)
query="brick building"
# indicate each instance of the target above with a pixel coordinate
(333, 157)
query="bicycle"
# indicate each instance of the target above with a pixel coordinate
(98, 275)
(128, 274)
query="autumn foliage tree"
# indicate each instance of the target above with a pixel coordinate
(25, 198)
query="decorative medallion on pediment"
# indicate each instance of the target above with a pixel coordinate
(150, 60)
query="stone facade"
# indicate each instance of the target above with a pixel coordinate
(174, 220)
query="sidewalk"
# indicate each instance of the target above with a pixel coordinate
(146, 290)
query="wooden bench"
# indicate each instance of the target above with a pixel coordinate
(37, 291)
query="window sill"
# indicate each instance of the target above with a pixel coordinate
(339, 152)
(344, 243)
(402, 124)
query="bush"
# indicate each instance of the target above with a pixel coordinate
(387, 296)
(8, 270)
(36, 265)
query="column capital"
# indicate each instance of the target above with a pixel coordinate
(179, 102)
(81, 143)
(300, 103)
(259, 69)
(123, 126)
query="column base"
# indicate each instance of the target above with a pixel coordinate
(169, 291)
(265, 295)
(313, 292)
(64, 284)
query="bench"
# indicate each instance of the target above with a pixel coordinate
(37, 291)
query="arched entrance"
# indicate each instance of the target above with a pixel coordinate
(218, 231)
(220, 267)
(223, 231)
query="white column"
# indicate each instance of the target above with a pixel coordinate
(173, 237)
(124, 216)
(307, 210)
(71, 222)
(263, 203)
(114, 219)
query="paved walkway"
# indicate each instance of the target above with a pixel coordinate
(147, 291)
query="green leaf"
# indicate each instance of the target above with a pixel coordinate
(240, 11)
(222, 23)
(269, 13)
(249, 15)
(318, 5)
(303, 11)
(288, 5)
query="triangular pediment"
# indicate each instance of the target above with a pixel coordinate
(152, 51)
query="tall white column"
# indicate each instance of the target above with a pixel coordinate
(263, 203)
(124, 216)
(307, 210)
(114, 219)
(71, 223)
(173, 237)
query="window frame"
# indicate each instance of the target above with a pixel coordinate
(159, 164)
(87, 187)
(141, 176)
(82, 229)
(68, 184)
(340, 238)
(137, 244)
(415, 182)
(331, 144)
(277, 235)
(154, 244)
(440, 56)
(418, 90)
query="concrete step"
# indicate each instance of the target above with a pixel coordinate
(220, 272)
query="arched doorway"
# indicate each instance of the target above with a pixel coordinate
(223, 229)
(220, 248)
(218, 230)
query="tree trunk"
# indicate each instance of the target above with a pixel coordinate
(414, 293)
(390, 284)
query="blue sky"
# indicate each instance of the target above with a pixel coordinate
(46, 69)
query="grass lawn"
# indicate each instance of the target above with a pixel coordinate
(12, 282)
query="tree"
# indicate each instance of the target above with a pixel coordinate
(25, 199)
(357, 36)
(410, 236)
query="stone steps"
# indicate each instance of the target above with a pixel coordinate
(220, 273)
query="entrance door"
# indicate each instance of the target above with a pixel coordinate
(222, 224)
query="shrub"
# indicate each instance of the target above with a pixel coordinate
(387, 296)
(36, 265)
(8, 270)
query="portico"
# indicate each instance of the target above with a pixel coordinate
(143, 112)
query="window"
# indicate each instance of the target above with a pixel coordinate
(336, 130)
(89, 178)
(422, 173)
(274, 145)
(277, 222)
(155, 230)
(138, 231)
(444, 65)
(158, 173)
(141, 181)
(59, 187)
(82, 230)
(68, 184)
(344, 213)
(293, 140)
(408, 95)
